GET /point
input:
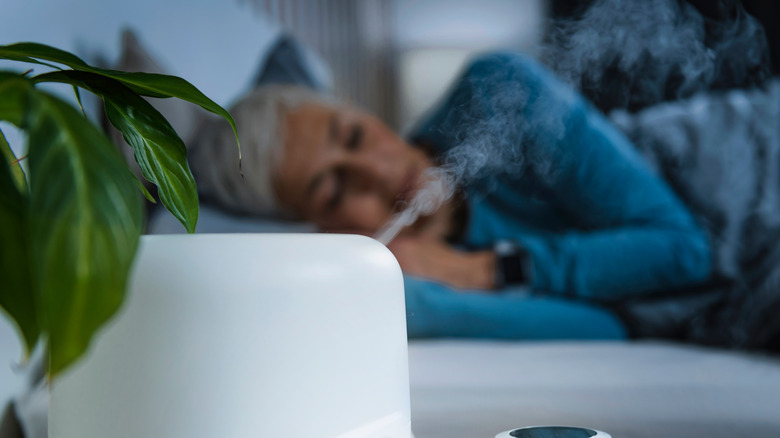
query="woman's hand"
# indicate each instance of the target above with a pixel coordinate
(433, 259)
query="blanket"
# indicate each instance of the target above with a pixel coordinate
(654, 67)
(721, 153)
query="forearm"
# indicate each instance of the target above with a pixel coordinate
(434, 310)
(615, 264)
(475, 271)
(436, 260)
(462, 270)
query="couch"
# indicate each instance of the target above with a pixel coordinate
(473, 389)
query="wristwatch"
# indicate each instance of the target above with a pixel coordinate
(513, 264)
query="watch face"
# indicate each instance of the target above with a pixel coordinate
(512, 269)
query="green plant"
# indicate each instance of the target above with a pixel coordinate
(70, 227)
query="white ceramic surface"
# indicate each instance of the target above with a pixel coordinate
(247, 335)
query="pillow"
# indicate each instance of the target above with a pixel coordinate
(289, 62)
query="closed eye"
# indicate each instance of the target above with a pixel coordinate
(355, 138)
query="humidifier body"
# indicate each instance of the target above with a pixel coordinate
(247, 335)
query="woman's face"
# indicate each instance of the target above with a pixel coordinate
(344, 170)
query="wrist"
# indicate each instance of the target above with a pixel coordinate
(486, 260)
(475, 271)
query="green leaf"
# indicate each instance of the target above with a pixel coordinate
(159, 151)
(14, 89)
(85, 223)
(144, 191)
(17, 295)
(10, 54)
(146, 84)
(32, 52)
(164, 86)
(17, 173)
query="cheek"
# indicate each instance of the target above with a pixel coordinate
(388, 142)
(393, 149)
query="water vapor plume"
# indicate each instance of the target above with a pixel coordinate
(439, 186)
(635, 53)
(487, 130)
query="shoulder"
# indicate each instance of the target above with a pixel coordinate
(493, 79)
(490, 84)
(488, 62)
(494, 69)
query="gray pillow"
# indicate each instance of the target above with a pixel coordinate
(290, 62)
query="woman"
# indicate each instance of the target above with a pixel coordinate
(555, 220)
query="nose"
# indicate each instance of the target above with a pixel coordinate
(370, 170)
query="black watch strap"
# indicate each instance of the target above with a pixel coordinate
(512, 264)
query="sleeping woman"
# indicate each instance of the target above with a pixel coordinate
(554, 218)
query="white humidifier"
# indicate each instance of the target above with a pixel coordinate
(245, 336)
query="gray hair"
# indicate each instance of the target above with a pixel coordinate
(259, 118)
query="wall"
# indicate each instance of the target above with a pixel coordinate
(215, 44)
(354, 38)
(435, 37)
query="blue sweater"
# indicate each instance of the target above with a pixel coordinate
(555, 177)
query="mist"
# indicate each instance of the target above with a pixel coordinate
(632, 54)
(488, 133)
